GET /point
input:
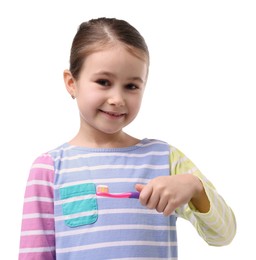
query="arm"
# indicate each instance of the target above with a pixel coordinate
(208, 212)
(37, 239)
(193, 197)
(199, 199)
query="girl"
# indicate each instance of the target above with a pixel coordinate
(65, 217)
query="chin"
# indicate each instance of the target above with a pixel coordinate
(109, 132)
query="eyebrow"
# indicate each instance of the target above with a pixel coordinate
(109, 74)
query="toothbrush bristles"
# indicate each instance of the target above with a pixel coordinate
(102, 188)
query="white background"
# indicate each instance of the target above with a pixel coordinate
(200, 98)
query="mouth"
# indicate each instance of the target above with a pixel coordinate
(113, 114)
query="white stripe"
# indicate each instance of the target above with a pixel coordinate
(152, 142)
(70, 147)
(36, 250)
(62, 149)
(190, 171)
(77, 215)
(172, 149)
(112, 154)
(84, 197)
(103, 181)
(35, 198)
(37, 232)
(218, 240)
(106, 212)
(39, 182)
(132, 211)
(223, 230)
(114, 227)
(37, 215)
(181, 160)
(115, 244)
(42, 166)
(100, 167)
(127, 211)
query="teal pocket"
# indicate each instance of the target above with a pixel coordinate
(79, 204)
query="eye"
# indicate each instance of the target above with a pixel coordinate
(103, 82)
(131, 86)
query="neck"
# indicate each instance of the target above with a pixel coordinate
(97, 139)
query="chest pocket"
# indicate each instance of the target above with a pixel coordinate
(79, 204)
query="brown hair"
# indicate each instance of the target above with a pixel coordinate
(98, 33)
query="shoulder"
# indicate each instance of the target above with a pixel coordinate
(154, 142)
(176, 154)
(42, 170)
(46, 159)
(174, 151)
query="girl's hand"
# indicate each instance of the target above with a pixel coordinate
(167, 193)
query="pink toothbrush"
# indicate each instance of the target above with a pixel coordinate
(102, 190)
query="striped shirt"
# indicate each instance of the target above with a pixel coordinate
(64, 219)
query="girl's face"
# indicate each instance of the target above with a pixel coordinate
(109, 90)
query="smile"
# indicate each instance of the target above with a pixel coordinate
(113, 114)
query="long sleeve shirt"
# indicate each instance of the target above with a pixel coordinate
(63, 218)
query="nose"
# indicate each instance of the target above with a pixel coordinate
(116, 98)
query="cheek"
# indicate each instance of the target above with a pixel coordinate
(89, 97)
(135, 103)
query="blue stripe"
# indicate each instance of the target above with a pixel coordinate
(116, 236)
(125, 219)
(105, 173)
(121, 252)
(125, 160)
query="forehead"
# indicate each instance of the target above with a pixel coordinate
(139, 53)
(116, 59)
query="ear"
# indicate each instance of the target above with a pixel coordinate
(70, 83)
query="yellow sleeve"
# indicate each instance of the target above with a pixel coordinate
(218, 226)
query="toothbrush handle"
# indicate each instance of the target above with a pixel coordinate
(135, 195)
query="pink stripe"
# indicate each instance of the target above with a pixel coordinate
(43, 191)
(39, 190)
(37, 241)
(38, 256)
(42, 173)
(44, 158)
(36, 207)
(37, 224)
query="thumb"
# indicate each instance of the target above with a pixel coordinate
(139, 187)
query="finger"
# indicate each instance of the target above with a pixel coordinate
(169, 209)
(162, 204)
(139, 187)
(153, 201)
(145, 194)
